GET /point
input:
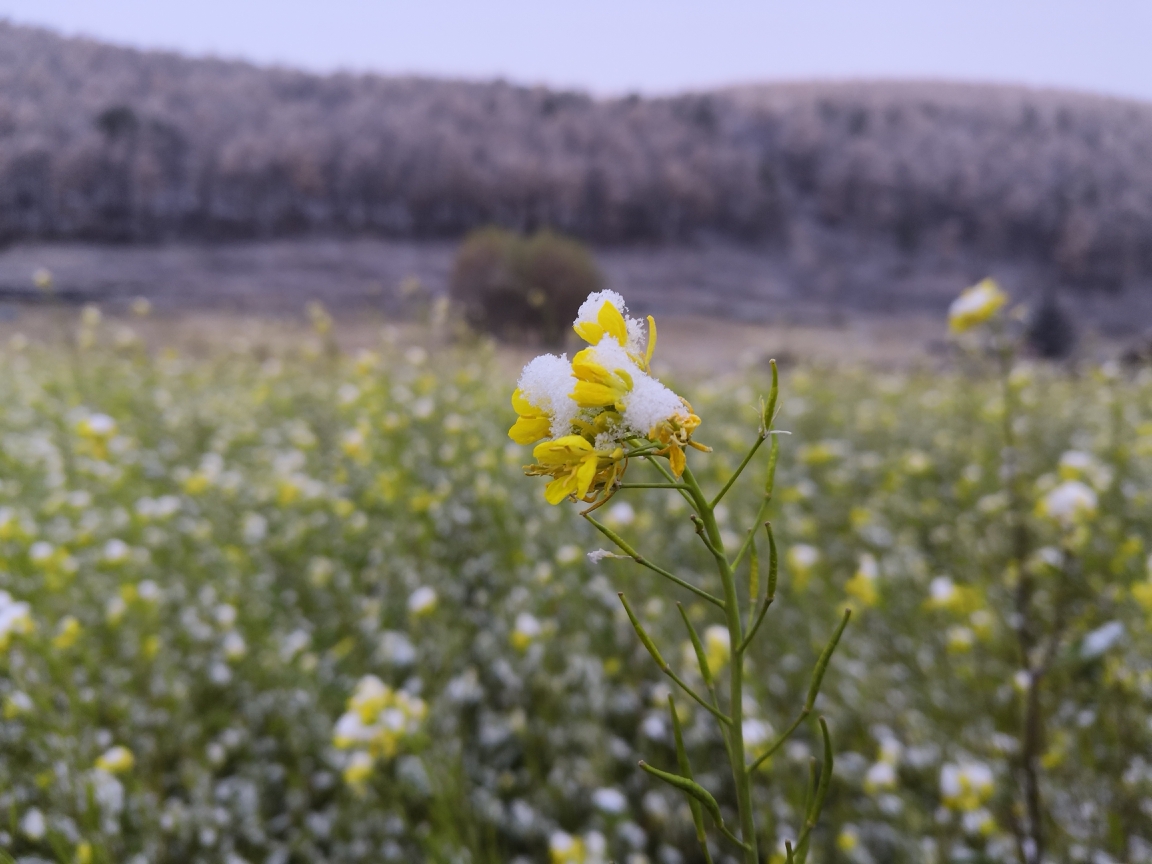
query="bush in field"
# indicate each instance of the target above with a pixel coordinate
(511, 285)
(1051, 333)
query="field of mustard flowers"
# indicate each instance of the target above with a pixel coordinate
(297, 606)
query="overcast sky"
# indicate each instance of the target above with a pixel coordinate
(652, 46)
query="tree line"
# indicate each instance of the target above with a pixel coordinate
(112, 144)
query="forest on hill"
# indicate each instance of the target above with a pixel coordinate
(112, 144)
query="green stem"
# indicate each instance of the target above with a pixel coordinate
(680, 487)
(740, 469)
(740, 774)
(644, 562)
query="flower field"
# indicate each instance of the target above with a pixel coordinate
(296, 606)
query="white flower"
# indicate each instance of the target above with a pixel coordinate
(100, 425)
(33, 825)
(422, 601)
(803, 557)
(1069, 502)
(757, 734)
(254, 528)
(148, 590)
(882, 775)
(568, 554)
(610, 801)
(116, 551)
(526, 630)
(234, 646)
(941, 590)
(966, 785)
(620, 514)
(1101, 640)
(225, 615)
(15, 617)
(40, 551)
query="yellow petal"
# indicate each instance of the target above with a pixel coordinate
(677, 461)
(529, 430)
(585, 475)
(589, 395)
(613, 323)
(560, 488)
(585, 368)
(589, 331)
(523, 407)
(651, 340)
(565, 449)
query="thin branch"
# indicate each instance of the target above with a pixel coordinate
(654, 652)
(743, 646)
(654, 460)
(740, 468)
(767, 754)
(644, 562)
(715, 712)
(704, 537)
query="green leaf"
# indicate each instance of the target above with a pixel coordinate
(822, 663)
(698, 647)
(686, 770)
(644, 637)
(689, 787)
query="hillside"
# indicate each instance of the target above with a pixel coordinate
(846, 187)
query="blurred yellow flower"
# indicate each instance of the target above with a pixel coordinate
(358, 769)
(862, 586)
(116, 760)
(975, 306)
(717, 647)
(67, 633)
(966, 786)
(1068, 503)
(526, 630)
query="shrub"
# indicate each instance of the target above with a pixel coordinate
(514, 286)
(1051, 332)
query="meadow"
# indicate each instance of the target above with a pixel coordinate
(205, 556)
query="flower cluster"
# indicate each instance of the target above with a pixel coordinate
(601, 407)
(378, 721)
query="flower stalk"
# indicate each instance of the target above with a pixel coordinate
(598, 412)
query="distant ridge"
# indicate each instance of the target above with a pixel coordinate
(113, 144)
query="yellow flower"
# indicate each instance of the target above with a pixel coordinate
(1068, 503)
(611, 322)
(566, 849)
(596, 385)
(532, 424)
(717, 647)
(862, 586)
(975, 305)
(67, 633)
(966, 786)
(1142, 593)
(675, 434)
(358, 769)
(576, 466)
(526, 631)
(608, 321)
(117, 760)
(848, 839)
(84, 853)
